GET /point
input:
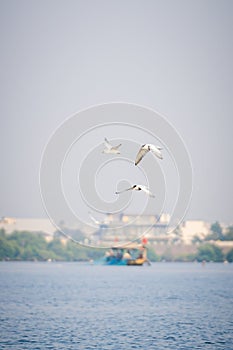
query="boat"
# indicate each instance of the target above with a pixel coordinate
(133, 254)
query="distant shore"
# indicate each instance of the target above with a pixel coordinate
(26, 246)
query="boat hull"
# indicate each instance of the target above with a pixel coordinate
(128, 262)
(135, 262)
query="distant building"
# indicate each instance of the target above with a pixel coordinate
(132, 226)
(115, 228)
(193, 228)
(27, 224)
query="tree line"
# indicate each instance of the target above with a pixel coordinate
(28, 246)
(217, 234)
(25, 245)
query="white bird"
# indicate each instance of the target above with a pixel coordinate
(109, 149)
(138, 188)
(93, 219)
(156, 150)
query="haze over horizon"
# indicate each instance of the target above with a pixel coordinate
(60, 57)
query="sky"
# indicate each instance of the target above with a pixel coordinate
(60, 57)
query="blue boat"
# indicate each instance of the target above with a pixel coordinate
(128, 255)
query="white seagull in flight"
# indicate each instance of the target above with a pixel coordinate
(138, 188)
(156, 150)
(93, 219)
(109, 149)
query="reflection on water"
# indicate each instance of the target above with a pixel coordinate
(80, 306)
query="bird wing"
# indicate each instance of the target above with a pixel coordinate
(147, 191)
(107, 143)
(142, 152)
(93, 219)
(127, 189)
(156, 151)
(116, 147)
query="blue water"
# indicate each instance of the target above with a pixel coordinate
(80, 306)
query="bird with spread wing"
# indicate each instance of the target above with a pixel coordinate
(156, 150)
(138, 188)
(110, 149)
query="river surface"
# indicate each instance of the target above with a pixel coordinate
(81, 306)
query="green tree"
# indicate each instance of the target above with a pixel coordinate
(25, 239)
(209, 252)
(6, 250)
(77, 235)
(229, 256)
(31, 246)
(2, 232)
(9, 250)
(229, 234)
(217, 230)
(196, 239)
(57, 248)
(151, 254)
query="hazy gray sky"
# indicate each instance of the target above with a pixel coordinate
(58, 57)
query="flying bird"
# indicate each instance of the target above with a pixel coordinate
(156, 150)
(109, 149)
(138, 188)
(101, 223)
(93, 219)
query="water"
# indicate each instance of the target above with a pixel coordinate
(79, 306)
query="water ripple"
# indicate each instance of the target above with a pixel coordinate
(75, 306)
